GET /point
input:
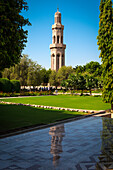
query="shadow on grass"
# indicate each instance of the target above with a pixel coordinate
(14, 118)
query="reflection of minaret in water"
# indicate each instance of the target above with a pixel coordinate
(57, 133)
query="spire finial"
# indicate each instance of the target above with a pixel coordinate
(57, 8)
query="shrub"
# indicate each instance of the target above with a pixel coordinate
(8, 94)
(36, 93)
(5, 85)
(15, 86)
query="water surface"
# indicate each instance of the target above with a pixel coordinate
(85, 144)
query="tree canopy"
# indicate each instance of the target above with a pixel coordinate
(92, 67)
(12, 35)
(63, 73)
(53, 79)
(26, 71)
(105, 42)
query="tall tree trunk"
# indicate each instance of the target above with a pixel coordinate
(90, 92)
(81, 92)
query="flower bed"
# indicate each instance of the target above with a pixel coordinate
(36, 93)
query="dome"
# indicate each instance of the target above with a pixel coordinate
(57, 13)
(58, 17)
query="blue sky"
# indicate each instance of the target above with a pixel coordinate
(81, 23)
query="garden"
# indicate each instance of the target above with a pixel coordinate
(15, 117)
(22, 112)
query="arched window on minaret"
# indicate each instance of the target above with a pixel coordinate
(53, 39)
(58, 58)
(58, 39)
(61, 39)
(53, 59)
(62, 60)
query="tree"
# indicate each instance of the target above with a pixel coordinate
(79, 69)
(64, 83)
(26, 71)
(33, 77)
(73, 81)
(105, 38)
(12, 35)
(94, 68)
(63, 73)
(45, 75)
(100, 82)
(81, 83)
(91, 82)
(6, 73)
(19, 71)
(53, 79)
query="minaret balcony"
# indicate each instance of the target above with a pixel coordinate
(57, 46)
(56, 26)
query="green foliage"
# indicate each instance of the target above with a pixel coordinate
(33, 74)
(65, 84)
(63, 73)
(79, 69)
(9, 86)
(22, 93)
(5, 85)
(105, 42)
(26, 71)
(76, 82)
(81, 83)
(36, 93)
(20, 70)
(57, 78)
(91, 82)
(92, 67)
(73, 81)
(9, 94)
(53, 79)
(45, 75)
(12, 35)
(15, 86)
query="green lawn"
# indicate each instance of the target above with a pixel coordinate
(77, 102)
(12, 116)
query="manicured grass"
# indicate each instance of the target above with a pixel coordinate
(77, 102)
(12, 116)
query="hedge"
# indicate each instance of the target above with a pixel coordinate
(9, 86)
(5, 85)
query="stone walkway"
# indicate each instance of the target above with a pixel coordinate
(93, 94)
(85, 144)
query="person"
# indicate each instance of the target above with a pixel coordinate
(56, 91)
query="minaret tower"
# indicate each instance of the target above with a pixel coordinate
(57, 47)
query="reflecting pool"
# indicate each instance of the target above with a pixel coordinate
(85, 144)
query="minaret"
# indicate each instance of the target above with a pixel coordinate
(57, 47)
